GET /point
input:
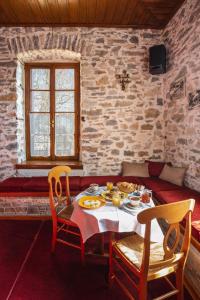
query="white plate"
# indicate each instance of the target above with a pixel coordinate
(91, 193)
(132, 207)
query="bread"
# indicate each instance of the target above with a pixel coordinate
(127, 187)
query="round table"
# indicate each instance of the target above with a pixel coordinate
(111, 218)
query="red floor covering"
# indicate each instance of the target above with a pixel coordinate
(29, 272)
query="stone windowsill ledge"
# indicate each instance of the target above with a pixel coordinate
(36, 164)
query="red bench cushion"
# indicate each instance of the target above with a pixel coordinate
(36, 184)
(155, 168)
(164, 191)
(75, 183)
(40, 184)
(157, 184)
(183, 194)
(13, 184)
(132, 179)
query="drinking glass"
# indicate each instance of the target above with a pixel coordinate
(145, 198)
(116, 199)
(109, 186)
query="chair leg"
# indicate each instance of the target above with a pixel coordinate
(82, 252)
(142, 291)
(54, 236)
(179, 283)
(111, 273)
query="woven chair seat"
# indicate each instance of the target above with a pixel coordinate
(132, 249)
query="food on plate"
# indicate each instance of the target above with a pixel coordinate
(92, 203)
(134, 198)
(92, 188)
(127, 187)
(108, 195)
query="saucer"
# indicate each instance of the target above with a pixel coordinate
(130, 207)
(86, 192)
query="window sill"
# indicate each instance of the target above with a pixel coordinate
(38, 164)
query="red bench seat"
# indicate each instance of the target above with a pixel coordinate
(163, 191)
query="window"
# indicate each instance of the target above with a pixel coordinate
(52, 111)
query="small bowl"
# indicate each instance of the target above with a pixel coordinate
(136, 193)
(134, 203)
(134, 198)
(94, 187)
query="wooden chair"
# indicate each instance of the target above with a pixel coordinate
(61, 222)
(146, 260)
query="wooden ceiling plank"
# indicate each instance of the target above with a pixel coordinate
(54, 10)
(160, 3)
(105, 13)
(26, 12)
(83, 11)
(120, 8)
(156, 7)
(3, 16)
(110, 11)
(100, 11)
(64, 6)
(130, 12)
(127, 13)
(73, 11)
(23, 11)
(142, 15)
(46, 12)
(35, 15)
(8, 11)
(37, 11)
(91, 11)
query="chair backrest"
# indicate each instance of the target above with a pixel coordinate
(173, 214)
(56, 192)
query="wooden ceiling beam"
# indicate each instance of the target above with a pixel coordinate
(91, 25)
(88, 13)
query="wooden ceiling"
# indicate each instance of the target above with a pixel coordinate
(90, 13)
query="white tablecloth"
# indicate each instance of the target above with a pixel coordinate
(110, 218)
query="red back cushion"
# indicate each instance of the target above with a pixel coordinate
(155, 168)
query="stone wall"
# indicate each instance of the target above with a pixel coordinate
(119, 125)
(8, 142)
(182, 126)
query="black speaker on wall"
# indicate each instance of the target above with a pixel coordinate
(157, 59)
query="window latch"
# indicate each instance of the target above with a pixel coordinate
(52, 123)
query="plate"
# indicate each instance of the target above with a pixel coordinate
(107, 195)
(134, 198)
(130, 207)
(91, 202)
(91, 193)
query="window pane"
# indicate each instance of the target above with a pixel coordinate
(64, 134)
(64, 101)
(40, 79)
(40, 134)
(64, 145)
(40, 101)
(64, 79)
